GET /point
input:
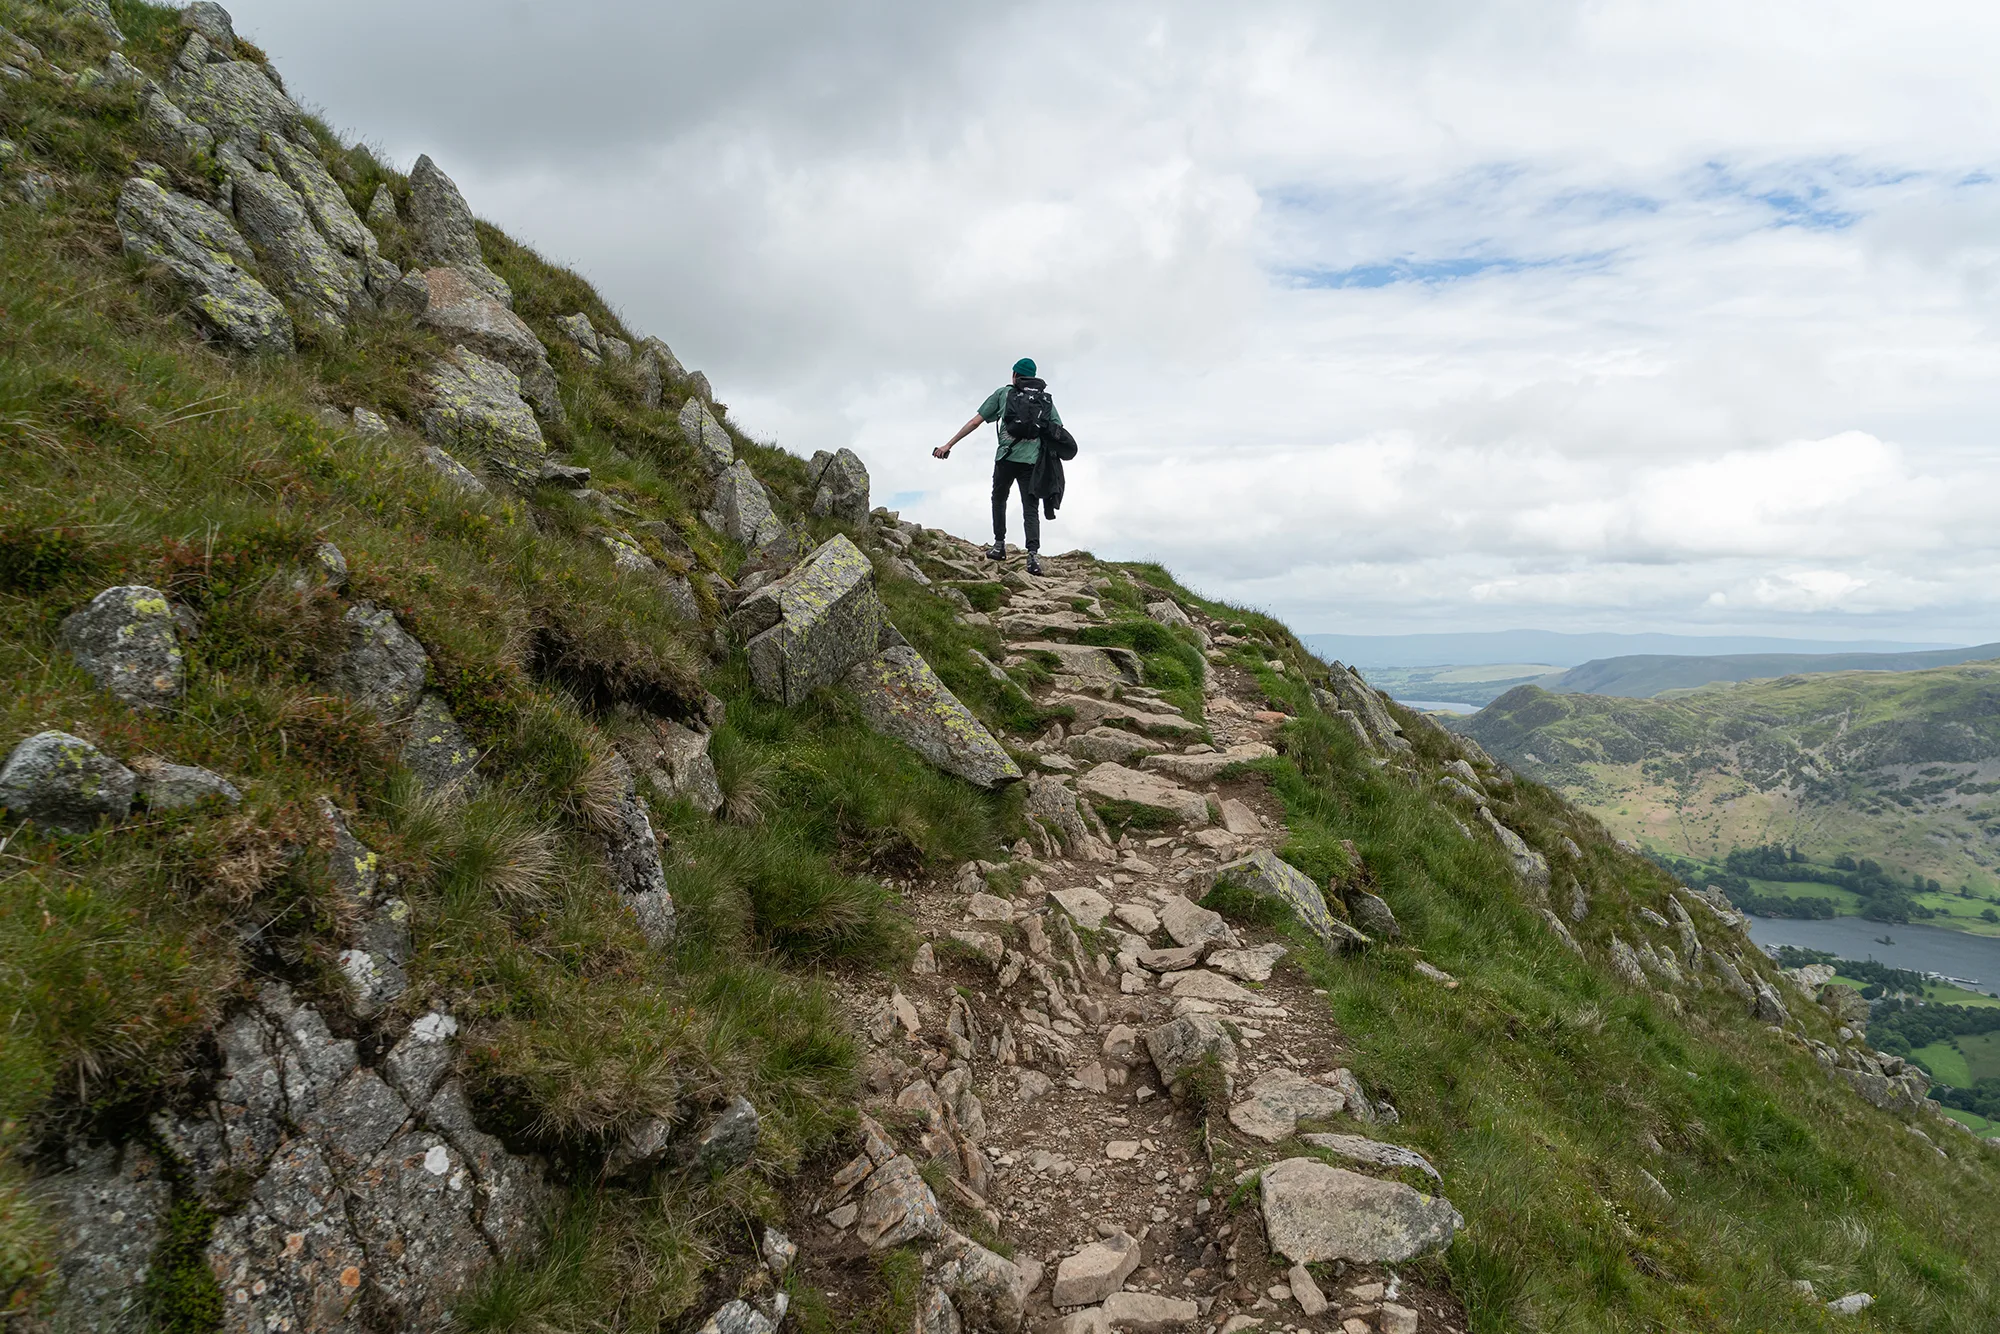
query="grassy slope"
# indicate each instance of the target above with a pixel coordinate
(1727, 767)
(1530, 1085)
(134, 455)
(1533, 1083)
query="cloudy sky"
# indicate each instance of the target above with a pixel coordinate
(1438, 315)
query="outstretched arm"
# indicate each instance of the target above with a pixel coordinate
(943, 451)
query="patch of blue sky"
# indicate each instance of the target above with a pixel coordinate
(1819, 196)
(903, 499)
(1432, 272)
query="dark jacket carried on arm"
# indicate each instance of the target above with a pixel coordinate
(1046, 481)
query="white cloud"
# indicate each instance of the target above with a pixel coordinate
(1437, 315)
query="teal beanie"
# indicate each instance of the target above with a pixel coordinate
(1025, 366)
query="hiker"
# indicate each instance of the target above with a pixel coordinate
(1022, 414)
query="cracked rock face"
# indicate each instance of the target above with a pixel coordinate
(840, 486)
(634, 856)
(210, 261)
(437, 751)
(711, 443)
(106, 1211)
(64, 782)
(129, 642)
(901, 697)
(362, 1191)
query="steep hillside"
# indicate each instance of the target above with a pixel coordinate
(489, 846)
(1643, 676)
(1898, 768)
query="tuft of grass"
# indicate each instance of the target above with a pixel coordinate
(180, 1294)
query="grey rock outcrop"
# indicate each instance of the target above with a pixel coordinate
(711, 443)
(633, 853)
(901, 697)
(106, 1210)
(382, 208)
(1351, 694)
(345, 1180)
(98, 13)
(177, 787)
(466, 313)
(657, 367)
(986, 1288)
(682, 770)
(373, 963)
(1264, 872)
(236, 99)
(129, 642)
(742, 509)
(727, 1140)
(436, 751)
(840, 486)
(1314, 1213)
(1359, 1149)
(1373, 915)
(211, 262)
(811, 627)
(63, 782)
(445, 233)
(577, 328)
(1278, 1100)
(476, 409)
(451, 470)
(383, 665)
(213, 22)
(1531, 866)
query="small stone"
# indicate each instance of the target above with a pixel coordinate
(175, 787)
(1145, 1311)
(63, 782)
(1306, 1292)
(1086, 906)
(925, 962)
(778, 1251)
(989, 908)
(1122, 1150)
(843, 1217)
(1096, 1271)
(1397, 1319)
(1854, 1303)
(1138, 917)
(729, 1139)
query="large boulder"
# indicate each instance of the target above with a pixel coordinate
(742, 510)
(1264, 872)
(326, 204)
(445, 234)
(476, 408)
(901, 697)
(1314, 1213)
(1095, 1272)
(209, 259)
(840, 486)
(236, 99)
(129, 642)
(811, 627)
(383, 665)
(712, 444)
(468, 314)
(325, 288)
(65, 783)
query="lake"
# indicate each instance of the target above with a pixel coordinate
(1438, 706)
(1924, 949)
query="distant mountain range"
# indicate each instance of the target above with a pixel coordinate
(1644, 675)
(1568, 650)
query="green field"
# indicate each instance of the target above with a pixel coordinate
(1982, 1055)
(1946, 1063)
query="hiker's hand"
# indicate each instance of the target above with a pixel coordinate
(941, 452)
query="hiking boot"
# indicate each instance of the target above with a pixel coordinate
(1034, 566)
(998, 551)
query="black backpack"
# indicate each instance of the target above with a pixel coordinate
(1029, 411)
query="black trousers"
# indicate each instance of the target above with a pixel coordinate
(1005, 475)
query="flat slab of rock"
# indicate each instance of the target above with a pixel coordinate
(1264, 872)
(1278, 1100)
(1313, 1212)
(901, 697)
(1141, 1311)
(1088, 660)
(1096, 1271)
(63, 782)
(898, 1207)
(1360, 1149)
(1251, 965)
(1114, 782)
(1111, 743)
(1201, 984)
(1086, 906)
(1090, 711)
(1204, 768)
(810, 628)
(129, 642)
